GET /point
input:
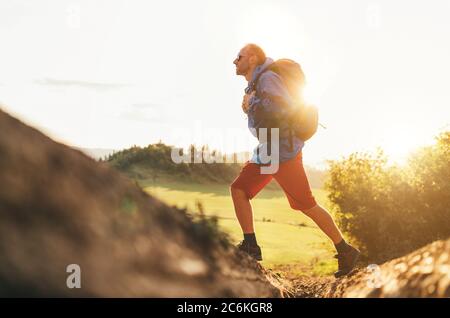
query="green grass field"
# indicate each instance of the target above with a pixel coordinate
(288, 238)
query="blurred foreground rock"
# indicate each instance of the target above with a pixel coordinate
(59, 207)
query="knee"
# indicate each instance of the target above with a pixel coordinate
(237, 192)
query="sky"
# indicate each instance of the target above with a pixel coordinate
(113, 73)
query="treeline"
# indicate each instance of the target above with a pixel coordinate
(155, 161)
(390, 210)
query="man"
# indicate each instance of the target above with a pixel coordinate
(267, 98)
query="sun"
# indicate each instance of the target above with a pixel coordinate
(285, 37)
(399, 141)
(312, 94)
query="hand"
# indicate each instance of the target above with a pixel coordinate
(246, 100)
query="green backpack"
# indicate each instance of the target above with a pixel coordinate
(304, 118)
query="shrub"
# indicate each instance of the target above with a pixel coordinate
(391, 210)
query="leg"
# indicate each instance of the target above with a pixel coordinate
(243, 189)
(325, 222)
(347, 255)
(244, 214)
(243, 210)
(292, 178)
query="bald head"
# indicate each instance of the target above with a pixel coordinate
(257, 51)
(249, 57)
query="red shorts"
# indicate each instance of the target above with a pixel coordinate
(290, 176)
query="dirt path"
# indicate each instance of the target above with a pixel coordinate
(422, 273)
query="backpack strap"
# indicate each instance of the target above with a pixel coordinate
(253, 88)
(255, 82)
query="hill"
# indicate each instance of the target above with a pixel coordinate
(59, 207)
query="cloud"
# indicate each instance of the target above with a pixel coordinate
(82, 84)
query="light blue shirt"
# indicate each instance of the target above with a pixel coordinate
(271, 99)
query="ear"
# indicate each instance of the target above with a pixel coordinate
(252, 59)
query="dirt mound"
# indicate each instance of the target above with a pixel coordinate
(59, 207)
(423, 273)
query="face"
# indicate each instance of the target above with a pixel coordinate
(242, 62)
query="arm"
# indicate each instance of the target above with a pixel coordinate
(246, 101)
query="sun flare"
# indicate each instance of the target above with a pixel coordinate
(400, 141)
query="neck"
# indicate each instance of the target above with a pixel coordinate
(249, 74)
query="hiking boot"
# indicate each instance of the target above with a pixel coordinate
(346, 261)
(252, 250)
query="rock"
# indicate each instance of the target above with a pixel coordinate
(59, 207)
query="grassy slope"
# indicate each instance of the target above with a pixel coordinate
(288, 238)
